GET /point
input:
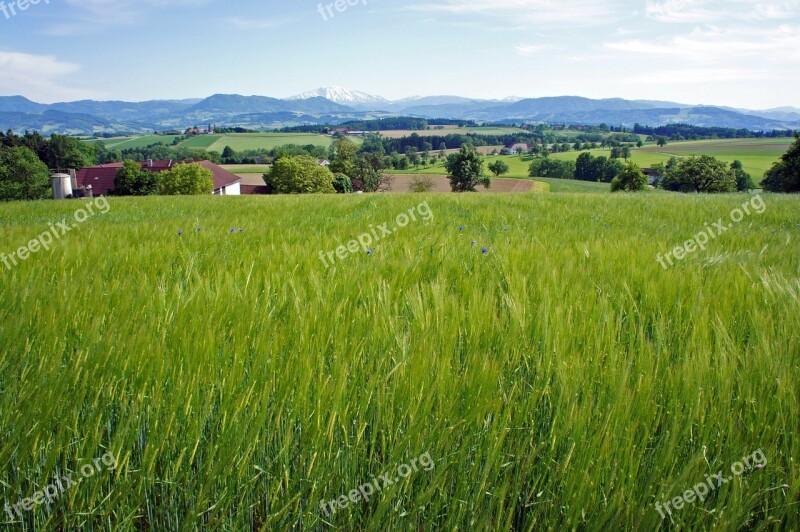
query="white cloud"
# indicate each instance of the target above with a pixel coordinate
(531, 49)
(685, 11)
(715, 46)
(91, 16)
(576, 12)
(40, 77)
(708, 11)
(696, 76)
(119, 10)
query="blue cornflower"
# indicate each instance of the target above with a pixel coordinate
(485, 251)
(369, 252)
(180, 233)
(460, 227)
(233, 229)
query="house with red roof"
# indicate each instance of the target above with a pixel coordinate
(101, 178)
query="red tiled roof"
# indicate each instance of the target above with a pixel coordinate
(101, 178)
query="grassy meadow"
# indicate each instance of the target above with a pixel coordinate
(562, 380)
(757, 156)
(237, 141)
(141, 141)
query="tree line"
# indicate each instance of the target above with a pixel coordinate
(678, 132)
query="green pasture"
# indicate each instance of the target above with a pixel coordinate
(122, 143)
(268, 141)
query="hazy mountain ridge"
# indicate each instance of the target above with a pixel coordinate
(89, 116)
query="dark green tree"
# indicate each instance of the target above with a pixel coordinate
(132, 180)
(744, 181)
(68, 152)
(342, 154)
(584, 168)
(701, 174)
(631, 179)
(23, 176)
(342, 184)
(465, 170)
(784, 176)
(229, 156)
(499, 168)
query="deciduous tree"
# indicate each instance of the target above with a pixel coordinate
(186, 180)
(23, 176)
(465, 170)
(299, 175)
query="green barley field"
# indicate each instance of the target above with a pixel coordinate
(530, 345)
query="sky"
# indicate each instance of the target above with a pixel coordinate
(738, 53)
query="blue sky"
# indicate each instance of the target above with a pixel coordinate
(742, 53)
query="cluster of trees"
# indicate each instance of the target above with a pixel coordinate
(180, 180)
(26, 161)
(351, 169)
(679, 132)
(381, 124)
(585, 168)
(784, 176)
(157, 151)
(703, 174)
(58, 152)
(598, 169)
(231, 156)
(695, 174)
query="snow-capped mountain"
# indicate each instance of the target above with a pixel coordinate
(341, 96)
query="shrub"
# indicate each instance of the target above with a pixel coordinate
(421, 184)
(342, 184)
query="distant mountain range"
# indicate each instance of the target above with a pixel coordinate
(334, 105)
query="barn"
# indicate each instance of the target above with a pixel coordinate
(101, 178)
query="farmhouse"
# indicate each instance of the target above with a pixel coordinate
(651, 175)
(101, 178)
(514, 149)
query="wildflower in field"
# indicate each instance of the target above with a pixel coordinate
(180, 233)
(369, 252)
(474, 244)
(460, 227)
(233, 229)
(485, 251)
(241, 230)
(505, 228)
